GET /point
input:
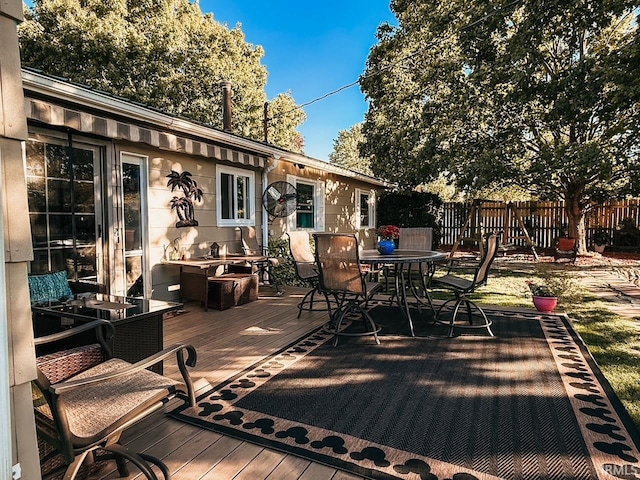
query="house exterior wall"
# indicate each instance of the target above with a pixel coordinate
(17, 357)
(162, 230)
(339, 203)
(168, 144)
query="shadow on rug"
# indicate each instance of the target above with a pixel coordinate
(528, 403)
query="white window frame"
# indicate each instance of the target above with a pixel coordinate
(319, 193)
(235, 172)
(372, 208)
(141, 161)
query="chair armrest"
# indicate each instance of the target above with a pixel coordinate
(104, 329)
(178, 349)
(458, 265)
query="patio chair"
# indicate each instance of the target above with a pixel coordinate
(84, 399)
(416, 238)
(565, 247)
(342, 278)
(419, 239)
(462, 287)
(264, 268)
(305, 266)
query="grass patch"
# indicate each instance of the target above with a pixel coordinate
(614, 341)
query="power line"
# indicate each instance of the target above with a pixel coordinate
(393, 64)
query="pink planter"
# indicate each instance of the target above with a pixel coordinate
(545, 304)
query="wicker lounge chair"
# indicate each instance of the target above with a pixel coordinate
(84, 399)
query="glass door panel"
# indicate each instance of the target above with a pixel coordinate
(133, 201)
(64, 210)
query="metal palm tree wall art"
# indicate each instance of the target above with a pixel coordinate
(184, 205)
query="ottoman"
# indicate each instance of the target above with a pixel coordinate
(230, 290)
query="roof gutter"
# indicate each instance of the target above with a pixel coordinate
(67, 91)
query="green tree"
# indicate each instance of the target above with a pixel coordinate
(162, 53)
(346, 150)
(536, 93)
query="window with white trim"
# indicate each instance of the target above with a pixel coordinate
(309, 214)
(235, 191)
(365, 208)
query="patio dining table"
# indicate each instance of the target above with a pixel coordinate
(404, 262)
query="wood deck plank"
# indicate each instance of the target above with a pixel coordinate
(226, 342)
(261, 466)
(233, 463)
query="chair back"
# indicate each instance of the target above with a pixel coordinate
(338, 263)
(303, 259)
(489, 254)
(419, 238)
(249, 241)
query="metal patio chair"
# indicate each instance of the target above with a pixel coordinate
(84, 399)
(462, 287)
(264, 268)
(304, 263)
(342, 278)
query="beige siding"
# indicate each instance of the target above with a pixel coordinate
(162, 220)
(16, 245)
(340, 200)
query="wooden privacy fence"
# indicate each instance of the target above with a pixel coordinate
(545, 221)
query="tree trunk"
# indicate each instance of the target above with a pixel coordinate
(576, 216)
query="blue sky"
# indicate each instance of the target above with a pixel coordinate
(311, 48)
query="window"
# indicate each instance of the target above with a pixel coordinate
(63, 189)
(234, 199)
(309, 214)
(365, 209)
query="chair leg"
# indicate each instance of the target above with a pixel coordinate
(470, 307)
(374, 328)
(138, 461)
(158, 463)
(307, 301)
(72, 470)
(122, 466)
(304, 300)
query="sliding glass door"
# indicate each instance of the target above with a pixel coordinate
(64, 191)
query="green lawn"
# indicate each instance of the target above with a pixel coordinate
(613, 341)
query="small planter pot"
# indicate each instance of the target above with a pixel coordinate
(545, 304)
(386, 247)
(599, 248)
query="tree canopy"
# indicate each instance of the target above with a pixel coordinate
(162, 53)
(536, 93)
(346, 150)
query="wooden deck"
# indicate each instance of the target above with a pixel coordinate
(226, 342)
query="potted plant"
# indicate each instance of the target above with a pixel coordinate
(551, 287)
(387, 234)
(600, 239)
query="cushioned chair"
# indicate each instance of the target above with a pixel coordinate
(84, 399)
(264, 268)
(342, 278)
(462, 287)
(565, 247)
(305, 266)
(55, 286)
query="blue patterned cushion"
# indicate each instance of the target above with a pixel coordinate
(51, 286)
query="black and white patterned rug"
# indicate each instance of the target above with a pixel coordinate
(529, 403)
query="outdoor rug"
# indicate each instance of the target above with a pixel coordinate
(529, 403)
